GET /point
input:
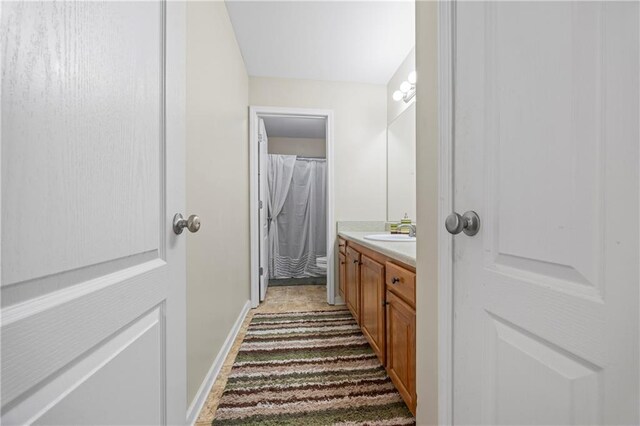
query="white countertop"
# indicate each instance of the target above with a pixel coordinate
(402, 251)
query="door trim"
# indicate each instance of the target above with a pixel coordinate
(175, 142)
(255, 113)
(446, 73)
(175, 245)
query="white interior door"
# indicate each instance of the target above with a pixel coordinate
(93, 278)
(546, 152)
(263, 154)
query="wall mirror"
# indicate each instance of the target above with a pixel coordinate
(401, 165)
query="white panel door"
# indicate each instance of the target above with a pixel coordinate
(93, 278)
(546, 152)
(263, 154)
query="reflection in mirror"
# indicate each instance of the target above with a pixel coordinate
(401, 166)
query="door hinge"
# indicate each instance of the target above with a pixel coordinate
(260, 203)
(261, 271)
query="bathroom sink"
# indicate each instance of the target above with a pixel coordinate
(390, 237)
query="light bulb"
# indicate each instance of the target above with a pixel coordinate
(405, 87)
(397, 95)
(412, 77)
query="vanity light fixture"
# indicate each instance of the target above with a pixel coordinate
(407, 89)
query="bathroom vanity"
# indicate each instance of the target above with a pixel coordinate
(377, 280)
(377, 271)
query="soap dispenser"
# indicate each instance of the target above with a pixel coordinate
(405, 220)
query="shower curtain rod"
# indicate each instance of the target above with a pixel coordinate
(298, 157)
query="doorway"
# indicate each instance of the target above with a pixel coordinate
(291, 199)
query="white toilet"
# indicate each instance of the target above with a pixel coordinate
(321, 262)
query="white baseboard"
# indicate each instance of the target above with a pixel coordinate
(210, 378)
(339, 301)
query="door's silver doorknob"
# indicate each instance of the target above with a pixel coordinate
(469, 223)
(179, 223)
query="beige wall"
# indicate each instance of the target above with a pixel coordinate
(395, 108)
(217, 140)
(360, 123)
(306, 147)
(427, 213)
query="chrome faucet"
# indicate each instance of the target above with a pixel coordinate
(412, 228)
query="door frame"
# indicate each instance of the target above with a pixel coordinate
(446, 74)
(174, 109)
(255, 113)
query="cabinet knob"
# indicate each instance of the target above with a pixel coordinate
(385, 303)
(355, 261)
(395, 280)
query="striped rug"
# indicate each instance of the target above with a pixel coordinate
(308, 368)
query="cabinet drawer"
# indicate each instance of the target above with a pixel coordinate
(402, 282)
(342, 246)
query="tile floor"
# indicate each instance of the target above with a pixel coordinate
(298, 281)
(279, 299)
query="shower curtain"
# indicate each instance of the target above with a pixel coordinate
(297, 211)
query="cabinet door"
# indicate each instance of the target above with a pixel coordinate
(342, 267)
(372, 312)
(401, 348)
(353, 282)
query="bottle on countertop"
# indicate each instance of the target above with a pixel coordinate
(393, 228)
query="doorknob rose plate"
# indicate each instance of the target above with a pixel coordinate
(472, 223)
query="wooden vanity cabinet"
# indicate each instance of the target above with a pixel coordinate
(381, 294)
(401, 330)
(352, 281)
(372, 305)
(401, 348)
(342, 271)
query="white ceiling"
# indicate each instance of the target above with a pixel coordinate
(358, 41)
(295, 127)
